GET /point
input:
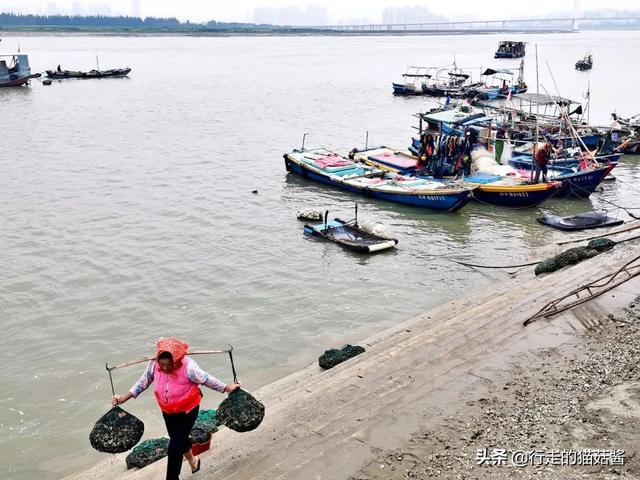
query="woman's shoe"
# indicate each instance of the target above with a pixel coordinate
(197, 468)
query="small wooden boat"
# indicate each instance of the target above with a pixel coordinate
(350, 236)
(582, 221)
(114, 73)
(586, 63)
(323, 166)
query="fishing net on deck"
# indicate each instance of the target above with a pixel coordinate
(148, 452)
(333, 357)
(117, 431)
(240, 411)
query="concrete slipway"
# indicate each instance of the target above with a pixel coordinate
(326, 424)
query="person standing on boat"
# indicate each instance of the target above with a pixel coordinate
(541, 160)
(177, 379)
(501, 139)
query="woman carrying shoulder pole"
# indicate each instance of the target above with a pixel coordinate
(177, 391)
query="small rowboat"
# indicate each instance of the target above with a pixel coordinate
(350, 236)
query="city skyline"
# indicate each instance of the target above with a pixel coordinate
(301, 12)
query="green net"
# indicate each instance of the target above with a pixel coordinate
(147, 452)
(568, 257)
(207, 421)
(117, 431)
(333, 357)
(602, 244)
(240, 411)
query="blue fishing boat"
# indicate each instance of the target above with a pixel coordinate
(498, 83)
(323, 166)
(525, 161)
(413, 81)
(488, 189)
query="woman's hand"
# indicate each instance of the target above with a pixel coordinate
(120, 399)
(231, 387)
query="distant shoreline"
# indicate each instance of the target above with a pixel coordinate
(13, 31)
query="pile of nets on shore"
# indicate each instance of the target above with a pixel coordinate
(574, 255)
(333, 357)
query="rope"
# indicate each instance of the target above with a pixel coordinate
(494, 266)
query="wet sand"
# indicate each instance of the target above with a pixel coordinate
(464, 376)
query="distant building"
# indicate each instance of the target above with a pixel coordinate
(312, 15)
(135, 9)
(52, 9)
(415, 14)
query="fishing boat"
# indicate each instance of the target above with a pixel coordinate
(349, 235)
(449, 81)
(64, 74)
(510, 49)
(15, 70)
(326, 167)
(499, 190)
(498, 83)
(562, 163)
(586, 63)
(413, 80)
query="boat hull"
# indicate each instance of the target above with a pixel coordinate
(582, 184)
(515, 196)
(117, 73)
(18, 81)
(445, 200)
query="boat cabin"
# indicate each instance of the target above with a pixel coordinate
(15, 70)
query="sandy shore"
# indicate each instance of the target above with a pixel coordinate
(465, 376)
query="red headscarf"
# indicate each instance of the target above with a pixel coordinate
(175, 347)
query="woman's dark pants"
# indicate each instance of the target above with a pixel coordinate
(179, 427)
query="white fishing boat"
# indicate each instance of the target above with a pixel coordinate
(15, 70)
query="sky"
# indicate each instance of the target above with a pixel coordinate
(339, 10)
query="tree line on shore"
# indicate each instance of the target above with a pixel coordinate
(120, 22)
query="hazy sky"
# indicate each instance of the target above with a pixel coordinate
(242, 10)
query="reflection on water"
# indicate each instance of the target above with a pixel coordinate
(128, 213)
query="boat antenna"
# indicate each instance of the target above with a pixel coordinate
(304, 136)
(97, 62)
(366, 141)
(356, 220)
(326, 220)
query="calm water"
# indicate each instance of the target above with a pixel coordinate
(128, 213)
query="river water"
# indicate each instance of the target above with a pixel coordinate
(128, 212)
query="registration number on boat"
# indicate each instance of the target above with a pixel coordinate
(514, 194)
(431, 197)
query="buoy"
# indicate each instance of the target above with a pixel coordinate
(309, 214)
(254, 191)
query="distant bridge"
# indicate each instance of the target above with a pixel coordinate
(533, 24)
